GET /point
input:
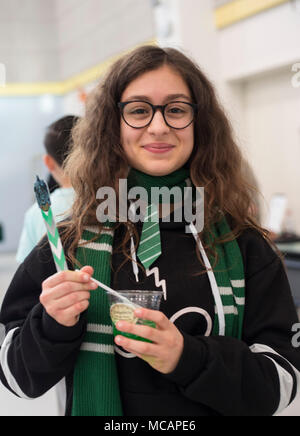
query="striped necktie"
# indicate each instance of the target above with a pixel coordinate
(150, 244)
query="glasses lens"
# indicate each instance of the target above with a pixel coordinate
(179, 114)
(137, 113)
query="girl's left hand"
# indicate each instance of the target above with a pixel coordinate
(164, 352)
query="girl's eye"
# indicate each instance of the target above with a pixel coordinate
(178, 111)
(175, 110)
(134, 109)
(139, 111)
(178, 108)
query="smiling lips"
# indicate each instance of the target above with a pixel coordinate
(158, 148)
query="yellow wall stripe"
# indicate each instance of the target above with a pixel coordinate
(63, 87)
(238, 10)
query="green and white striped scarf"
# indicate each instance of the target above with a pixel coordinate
(230, 278)
(96, 390)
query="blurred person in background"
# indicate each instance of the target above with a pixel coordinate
(52, 183)
(57, 144)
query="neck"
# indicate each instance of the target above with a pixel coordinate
(167, 202)
(66, 185)
(162, 213)
(138, 179)
(63, 182)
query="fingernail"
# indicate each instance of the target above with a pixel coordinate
(119, 339)
(86, 277)
(138, 312)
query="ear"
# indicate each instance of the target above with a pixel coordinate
(49, 162)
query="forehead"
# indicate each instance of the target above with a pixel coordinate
(157, 85)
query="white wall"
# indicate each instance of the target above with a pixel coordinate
(272, 108)
(256, 59)
(92, 31)
(29, 54)
(44, 41)
(263, 42)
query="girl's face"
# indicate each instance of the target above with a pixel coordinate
(157, 149)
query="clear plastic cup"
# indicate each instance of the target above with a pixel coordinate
(121, 310)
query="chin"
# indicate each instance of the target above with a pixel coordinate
(158, 172)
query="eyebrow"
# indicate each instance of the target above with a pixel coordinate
(170, 97)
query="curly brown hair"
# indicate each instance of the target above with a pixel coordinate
(97, 158)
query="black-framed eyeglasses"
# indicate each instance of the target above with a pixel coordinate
(139, 114)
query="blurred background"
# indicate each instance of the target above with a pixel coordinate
(53, 53)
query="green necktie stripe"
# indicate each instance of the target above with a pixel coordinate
(148, 249)
(150, 244)
(148, 238)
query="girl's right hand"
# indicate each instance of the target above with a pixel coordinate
(66, 295)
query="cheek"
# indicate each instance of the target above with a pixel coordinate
(125, 141)
(188, 142)
(123, 134)
(128, 136)
(129, 142)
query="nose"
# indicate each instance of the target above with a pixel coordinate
(158, 124)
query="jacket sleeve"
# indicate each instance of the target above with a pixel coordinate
(255, 376)
(36, 352)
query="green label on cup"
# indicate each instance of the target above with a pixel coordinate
(122, 312)
(125, 312)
